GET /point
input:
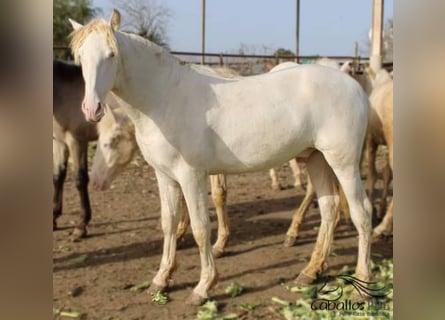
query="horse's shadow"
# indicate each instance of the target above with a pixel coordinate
(239, 215)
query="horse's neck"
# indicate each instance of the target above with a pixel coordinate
(148, 75)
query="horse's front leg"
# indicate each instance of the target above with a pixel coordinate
(219, 195)
(170, 194)
(60, 162)
(79, 153)
(194, 187)
(297, 218)
(184, 221)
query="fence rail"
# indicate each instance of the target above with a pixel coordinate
(232, 58)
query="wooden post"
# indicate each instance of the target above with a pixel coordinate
(203, 30)
(297, 31)
(376, 35)
(356, 58)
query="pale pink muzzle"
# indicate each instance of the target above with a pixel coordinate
(93, 112)
(100, 184)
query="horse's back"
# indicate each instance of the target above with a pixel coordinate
(286, 112)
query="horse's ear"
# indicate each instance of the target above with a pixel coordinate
(115, 20)
(74, 24)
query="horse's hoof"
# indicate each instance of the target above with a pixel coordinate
(195, 300)
(304, 280)
(78, 234)
(289, 241)
(217, 253)
(376, 237)
(154, 288)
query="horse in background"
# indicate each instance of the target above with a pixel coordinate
(71, 136)
(381, 132)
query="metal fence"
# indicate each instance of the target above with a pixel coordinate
(248, 64)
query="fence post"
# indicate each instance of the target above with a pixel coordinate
(221, 60)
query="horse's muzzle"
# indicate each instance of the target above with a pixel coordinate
(93, 114)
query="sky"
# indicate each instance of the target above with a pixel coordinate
(327, 27)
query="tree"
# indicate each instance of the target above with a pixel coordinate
(146, 18)
(80, 10)
(283, 52)
(387, 41)
(387, 45)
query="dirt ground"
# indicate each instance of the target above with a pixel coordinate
(124, 247)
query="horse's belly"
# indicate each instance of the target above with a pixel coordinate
(257, 140)
(255, 155)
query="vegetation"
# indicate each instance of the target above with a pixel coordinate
(283, 52)
(301, 307)
(80, 10)
(146, 18)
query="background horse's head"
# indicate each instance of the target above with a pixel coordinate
(115, 148)
(94, 47)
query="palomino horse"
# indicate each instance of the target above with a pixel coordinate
(189, 125)
(380, 131)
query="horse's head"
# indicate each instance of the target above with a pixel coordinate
(347, 67)
(115, 148)
(94, 47)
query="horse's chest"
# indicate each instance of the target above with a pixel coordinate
(154, 147)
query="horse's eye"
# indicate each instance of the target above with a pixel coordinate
(113, 142)
(110, 55)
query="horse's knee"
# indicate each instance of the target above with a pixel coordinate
(201, 235)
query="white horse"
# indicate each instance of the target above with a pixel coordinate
(189, 125)
(293, 164)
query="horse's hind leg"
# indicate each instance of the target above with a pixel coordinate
(325, 186)
(60, 162)
(359, 206)
(79, 151)
(297, 219)
(297, 172)
(371, 148)
(219, 195)
(274, 177)
(184, 221)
